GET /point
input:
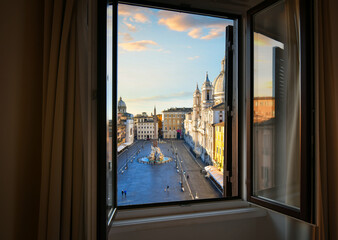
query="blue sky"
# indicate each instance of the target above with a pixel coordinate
(163, 54)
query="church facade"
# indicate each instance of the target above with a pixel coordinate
(208, 110)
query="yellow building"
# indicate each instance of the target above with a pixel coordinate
(219, 146)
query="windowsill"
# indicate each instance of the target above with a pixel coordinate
(158, 217)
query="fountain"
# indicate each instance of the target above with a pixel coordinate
(156, 156)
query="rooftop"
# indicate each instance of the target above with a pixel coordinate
(219, 124)
(184, 109)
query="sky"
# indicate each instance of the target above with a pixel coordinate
(162, 55)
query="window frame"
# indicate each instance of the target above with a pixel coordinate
(104, 222)
(306, 210)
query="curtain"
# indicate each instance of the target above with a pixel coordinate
(62, 197)
(326, 36)
(292, 48)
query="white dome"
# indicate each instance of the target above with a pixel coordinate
(219, 85)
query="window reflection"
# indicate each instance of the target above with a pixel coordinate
(276, 101)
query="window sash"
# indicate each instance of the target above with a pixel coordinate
(305, 212)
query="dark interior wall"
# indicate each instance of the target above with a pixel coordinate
(21, 38)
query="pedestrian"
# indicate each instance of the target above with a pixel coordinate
(168, 187)
(122, 193)
(125, 192)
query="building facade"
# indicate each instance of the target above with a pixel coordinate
(125, 125)
(173, 122)
(218, 159)
(146, 127)
(208, 110)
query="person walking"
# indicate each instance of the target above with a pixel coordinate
(125, 192)
(122, 193)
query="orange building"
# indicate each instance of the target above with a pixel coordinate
(264, 108)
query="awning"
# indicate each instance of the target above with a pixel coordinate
(123, 145)
(215, 174)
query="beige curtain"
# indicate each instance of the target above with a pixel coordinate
(292, 48)
(62, 208)
(326, 39)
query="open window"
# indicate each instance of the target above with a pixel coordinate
(168, 141)
(199, 142)
(279, 136)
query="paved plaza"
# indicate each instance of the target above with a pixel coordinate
(146, 183)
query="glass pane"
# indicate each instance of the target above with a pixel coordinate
(109, 112)
(166, 124)
(276, 104)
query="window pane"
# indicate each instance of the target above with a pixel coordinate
(161, 56)
(109, 105)
(276, 104)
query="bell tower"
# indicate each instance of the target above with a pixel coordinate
(207, 93)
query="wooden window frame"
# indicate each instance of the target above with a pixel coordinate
(306, 210)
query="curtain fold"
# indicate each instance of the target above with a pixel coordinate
(326, 120)
(61, 213)
(292, 48)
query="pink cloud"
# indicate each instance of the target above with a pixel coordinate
(125, 10)
(133, 14)
(130, 27)
(140, 17)
(195, 33)
(126, 36)
(193, 24)
(138, 45)
(214, 33)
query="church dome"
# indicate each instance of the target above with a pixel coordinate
(121, 103)
(121, 106)
(219, 85)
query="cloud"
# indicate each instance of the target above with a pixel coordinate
(130, 27)
(163, 50)
(162, 97)
(125, 10)
(134, 14)
(126, 37)
(195, 33)
(193, 58)
(214, 33)
(193, 24)
(137, 46)
(140, 17)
